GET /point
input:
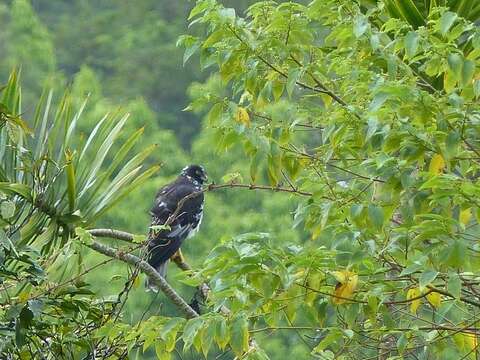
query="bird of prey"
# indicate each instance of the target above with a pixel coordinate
(178, 206)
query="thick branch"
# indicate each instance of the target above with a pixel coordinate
(144, 267)
(113, 234)
(178, 260)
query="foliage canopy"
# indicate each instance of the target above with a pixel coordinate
(364, 115)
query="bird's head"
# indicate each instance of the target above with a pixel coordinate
(196, 172)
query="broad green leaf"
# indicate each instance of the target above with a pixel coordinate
(189, 51)
(402, 343)
(411, 44)
(476, 88)
(160, 351)
(468, 70)
(169, 332)
(457, 255)
(360, 25)
(455, 64)
(446, 22)
(191, 329)
(454, 285)
(333, 336)
(222, 333)
(427, 278)
(207, 339)
(293, 76)
(376, 215)
(240, 335)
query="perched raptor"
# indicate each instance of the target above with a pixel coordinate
(179, 207)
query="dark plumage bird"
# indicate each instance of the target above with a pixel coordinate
(181, 204)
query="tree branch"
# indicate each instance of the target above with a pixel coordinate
(144, 267)
(178, 260)
(113, 234)
(257, 187)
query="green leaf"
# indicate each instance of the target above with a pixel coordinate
(476, 88)
(200, 7)
(446, 22)
(293, 76)
(84, 236)
(455, 64)
(138, 239)
(274, 168)
(412, 269)
(7, 209)
(36, 307)
(452, 144)
(214, 38)
(376, 216)
(402, 343)
(240, 335)
(189, 51)
(457, 255)
(190, 331)
(227, 14)
(207, 339)
(360, 25)
(468, 70)
(427, 278)
(454, 285)
(411, 44)
(333, 336)
(378, 101)
(161, 352)
(169, 332)
(215, 113)
(7, 243)
(222, 333)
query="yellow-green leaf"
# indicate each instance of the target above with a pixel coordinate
(471, 341)
(240, 335)
(436, 164)
(465, 216)
(242, 116)
(222, 334)
(347, 283)
(413, 293)
(314, 281)
(435, 299)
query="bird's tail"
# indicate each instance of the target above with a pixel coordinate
(162, 270)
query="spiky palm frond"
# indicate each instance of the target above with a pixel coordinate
(56, 178)
(416, 12)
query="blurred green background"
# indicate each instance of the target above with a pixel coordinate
(123, 56)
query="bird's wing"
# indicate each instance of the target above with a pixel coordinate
(165, 242)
